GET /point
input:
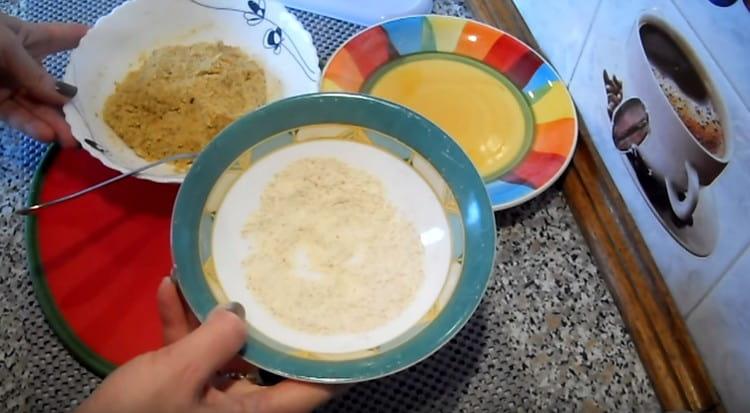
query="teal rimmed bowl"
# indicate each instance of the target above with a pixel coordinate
(344, 125)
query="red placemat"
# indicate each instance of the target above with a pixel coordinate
(97, 260)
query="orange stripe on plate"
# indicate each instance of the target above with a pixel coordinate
(555, 137)
(476, 40)
(343, 71)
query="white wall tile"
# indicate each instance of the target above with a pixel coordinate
(725, 31)
(720, 326)
(688, 277)
(560, 28)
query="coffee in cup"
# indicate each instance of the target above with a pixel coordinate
(688, 144)
(682, 85)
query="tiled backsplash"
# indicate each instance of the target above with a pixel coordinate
(560, 28)
(689, 277)
(721, 329)
(584, 38)
(725, 32)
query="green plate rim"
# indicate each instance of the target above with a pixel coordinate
(83, 353)
(359, 110)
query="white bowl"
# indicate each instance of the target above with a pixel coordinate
(263, 29)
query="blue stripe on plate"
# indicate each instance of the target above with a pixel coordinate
(270, 145)
(206, 226)
(390, 145)
(540, 82)
(502, 192)
(408, 35)
(457, 235)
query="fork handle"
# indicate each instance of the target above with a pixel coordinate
(33, 208)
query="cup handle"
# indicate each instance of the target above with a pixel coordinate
(684, 209)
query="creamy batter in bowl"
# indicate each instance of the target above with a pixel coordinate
(414, 272)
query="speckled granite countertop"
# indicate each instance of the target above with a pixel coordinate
(546, 337)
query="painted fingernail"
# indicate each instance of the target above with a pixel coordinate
(236, 308)
(65, 89)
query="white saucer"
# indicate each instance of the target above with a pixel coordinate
(698, 237)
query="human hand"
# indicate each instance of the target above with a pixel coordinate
(182, 377)
(30, 98)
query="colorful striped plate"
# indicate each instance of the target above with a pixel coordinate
(501, 101)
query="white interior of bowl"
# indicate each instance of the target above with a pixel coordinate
(404, 188)
(117, 41)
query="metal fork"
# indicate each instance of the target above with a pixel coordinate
(34, 208)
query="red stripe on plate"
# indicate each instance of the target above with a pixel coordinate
(536, 169)
(370, 50)
(504, 53)
(523, 69)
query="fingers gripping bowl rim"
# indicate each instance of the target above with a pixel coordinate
(473, 211)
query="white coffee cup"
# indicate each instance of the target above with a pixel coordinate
(670, 150)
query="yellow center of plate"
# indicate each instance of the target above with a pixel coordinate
(473, 103)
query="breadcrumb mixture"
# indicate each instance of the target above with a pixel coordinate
(182, 96)
(331, 255)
